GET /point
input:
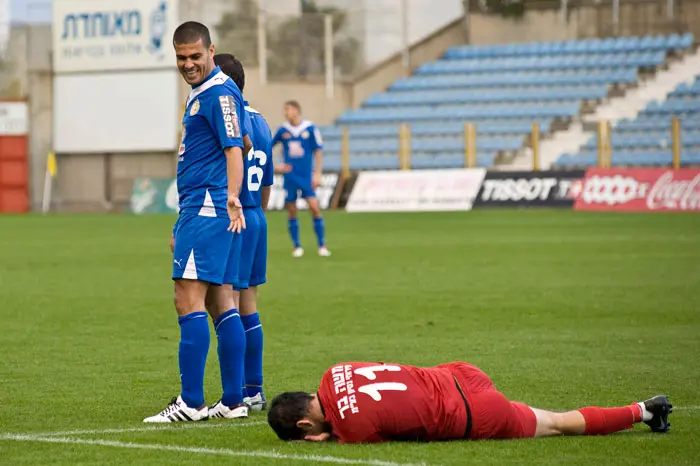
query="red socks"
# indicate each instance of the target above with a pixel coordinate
(602, 421)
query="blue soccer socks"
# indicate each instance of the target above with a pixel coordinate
(293, 227)
(232, 344)
(194, 346)
(253, 354)
(320, 230)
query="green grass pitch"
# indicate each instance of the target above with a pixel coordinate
(562, 309)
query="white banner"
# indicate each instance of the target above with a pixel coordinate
(324, 193)
(416, 190)
(14, 118)
(136, 111)
(101, 35)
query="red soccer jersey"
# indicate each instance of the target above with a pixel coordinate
(377, 402)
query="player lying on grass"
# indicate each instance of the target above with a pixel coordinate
(377, 402)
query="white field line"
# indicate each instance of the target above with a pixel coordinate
(197, 425)
(59, 438)
(202, 451)
(685, 408)
(165, 427)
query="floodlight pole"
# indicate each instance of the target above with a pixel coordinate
(405, 44)
(262, 42)
(328, 49)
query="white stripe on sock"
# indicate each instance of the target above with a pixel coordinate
(253, 328)
(227, 318)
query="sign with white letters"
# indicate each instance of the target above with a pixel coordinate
(415, 190)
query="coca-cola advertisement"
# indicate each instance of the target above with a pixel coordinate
(639, 190)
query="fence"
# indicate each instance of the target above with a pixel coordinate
(604, 147)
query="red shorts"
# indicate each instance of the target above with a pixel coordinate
(493, 415)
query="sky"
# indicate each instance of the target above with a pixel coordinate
(30, 11)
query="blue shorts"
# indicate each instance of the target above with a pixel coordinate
(292, 186)
(204, 250)
(252, 266)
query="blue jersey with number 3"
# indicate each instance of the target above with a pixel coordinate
(211, 124)
(259, 170)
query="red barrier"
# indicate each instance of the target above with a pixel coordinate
(14, 174)
(639, 190)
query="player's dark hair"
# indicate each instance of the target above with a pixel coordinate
(191, 32)
(285, 411)
(294, 103)
(232, 67)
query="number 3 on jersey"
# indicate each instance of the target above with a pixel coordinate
(256, 159)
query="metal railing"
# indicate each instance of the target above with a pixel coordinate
(604, 131)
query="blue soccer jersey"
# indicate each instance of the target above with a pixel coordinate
(259, 168)
(299, 144)
(204, 249)
(211, 123)
(252, 263)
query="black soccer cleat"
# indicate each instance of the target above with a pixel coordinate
(660, 407)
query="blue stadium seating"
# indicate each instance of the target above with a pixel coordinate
(440, 145)
(640, 158)
(485, 128)
(647, 140)
(654, 122)
(465, 113)
(503, 89)
(391, 162)
(591, 46)
(631, 140)
(525, 78)
(489, 95)
(562, 62)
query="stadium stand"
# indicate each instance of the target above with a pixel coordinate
(503, 90)
(646, 140)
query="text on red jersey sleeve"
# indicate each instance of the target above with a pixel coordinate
(373, 402)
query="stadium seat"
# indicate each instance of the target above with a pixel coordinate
(502, 89)
(606, 77)
(585, 46)
(488, 95)
(485, 128)
(557, 62)
(427, 145)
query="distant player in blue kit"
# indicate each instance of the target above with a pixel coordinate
(252, 271)
(209, 177)
(302, 168)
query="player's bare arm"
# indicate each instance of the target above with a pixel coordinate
(318, 168)
(234, 171)
(282, 168)
(247, 144)
(265, 194)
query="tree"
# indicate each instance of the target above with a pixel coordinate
(505, 8)
(295, 44)
(237, 32)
